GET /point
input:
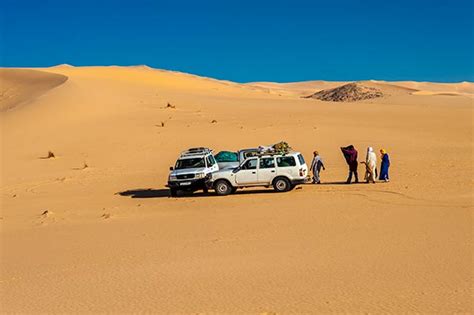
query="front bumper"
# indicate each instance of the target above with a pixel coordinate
(190, 185)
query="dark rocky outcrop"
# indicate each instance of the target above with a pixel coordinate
(347, 93)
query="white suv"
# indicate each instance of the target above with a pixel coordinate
(282, 171)
(192, 171)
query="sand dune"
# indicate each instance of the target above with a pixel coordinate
(462, 88)
(418, 88)
(93, 230)
(19, 86)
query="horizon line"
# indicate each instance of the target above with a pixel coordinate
(213, 78)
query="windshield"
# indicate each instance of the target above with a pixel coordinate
(190, 163)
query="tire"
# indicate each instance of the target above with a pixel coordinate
(173, 192)
(281, 184)
(222, 187)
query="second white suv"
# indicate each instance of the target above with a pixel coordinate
(192, 171)
(282, 171)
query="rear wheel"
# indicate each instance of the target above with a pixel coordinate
(281, 184)
(222, 187)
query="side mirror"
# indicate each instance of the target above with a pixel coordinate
(171, 168)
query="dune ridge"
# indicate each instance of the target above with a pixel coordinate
(19, 86)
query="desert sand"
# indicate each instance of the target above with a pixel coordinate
(93, 229)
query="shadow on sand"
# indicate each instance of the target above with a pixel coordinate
(145, 193)
(339, 183)
(164, 193)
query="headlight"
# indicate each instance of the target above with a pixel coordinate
(172, 178)
(200, 175)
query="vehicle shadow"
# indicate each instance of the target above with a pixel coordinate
(145, 193)
(164, 193)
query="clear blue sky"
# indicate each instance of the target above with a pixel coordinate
(241, 40)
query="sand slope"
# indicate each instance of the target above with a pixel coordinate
(19, 86)
(93, 230)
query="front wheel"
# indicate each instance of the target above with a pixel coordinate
(173, 192)
(281, 184)
(222, 187)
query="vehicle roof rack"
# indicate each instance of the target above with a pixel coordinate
(195, 151)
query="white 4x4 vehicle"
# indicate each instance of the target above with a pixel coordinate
(192, 171)
(282, 171)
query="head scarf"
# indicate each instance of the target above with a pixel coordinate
(383, 151)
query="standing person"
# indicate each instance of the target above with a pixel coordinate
(350, 154)
(316, 166)
(384, 165)
(370, 165)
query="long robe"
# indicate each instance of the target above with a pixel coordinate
(370, 166)
(384, 167)
(316, 166)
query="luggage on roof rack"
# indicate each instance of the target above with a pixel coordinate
(278, 148)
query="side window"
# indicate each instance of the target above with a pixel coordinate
(286, 161)
(210, 160)
(267, 162)
(250, 165)
(300, 157)
(249, 154)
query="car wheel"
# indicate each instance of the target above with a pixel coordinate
(281, 184)
(173, 192)
(222, 187)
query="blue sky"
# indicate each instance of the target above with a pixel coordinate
(247, 40)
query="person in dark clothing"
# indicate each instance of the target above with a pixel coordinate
(350, 154)
(384, 165)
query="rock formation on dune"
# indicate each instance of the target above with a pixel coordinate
(347, 93)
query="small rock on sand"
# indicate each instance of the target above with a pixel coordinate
(49, 156)
(46, 213)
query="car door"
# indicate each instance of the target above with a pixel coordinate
(266, 170)
(212, 164)
(247, 174)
